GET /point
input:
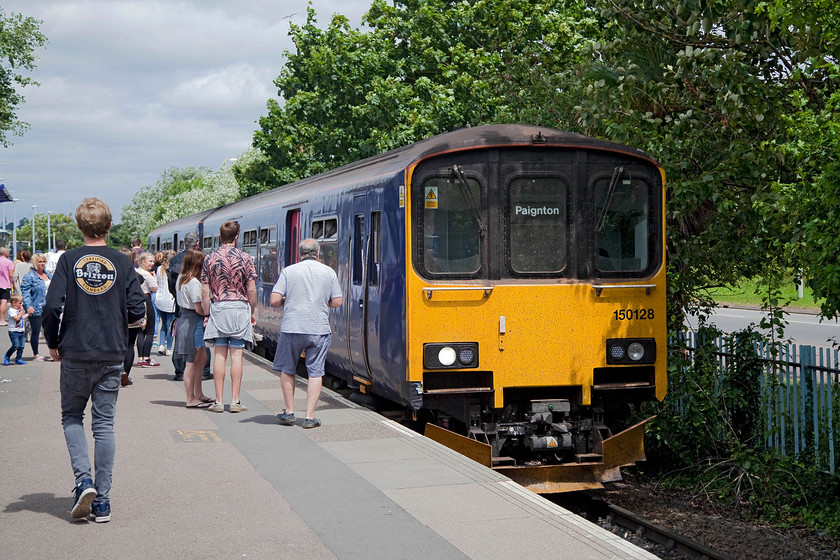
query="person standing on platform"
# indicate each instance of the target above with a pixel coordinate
(7, 269)
(229, 297)
(306, 291)
(98, 290)
(175, 265)
(52, 258)
(17, 332)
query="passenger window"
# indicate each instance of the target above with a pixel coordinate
(451, 235)
(375, 249)
(622, 213)
(325, 232)
(538, 218)
(268, 255)
(249, 243)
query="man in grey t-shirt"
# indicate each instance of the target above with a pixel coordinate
(306, 290)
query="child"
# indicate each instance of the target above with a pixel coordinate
(17, 333)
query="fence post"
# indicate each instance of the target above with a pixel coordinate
(807, 360)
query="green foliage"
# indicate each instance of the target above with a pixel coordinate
(179, 192)
(419, 69)
(61, 226)
(709, 436)
(707, 88)
(19, 38)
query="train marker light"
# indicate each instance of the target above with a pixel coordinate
(450, 355)
(636, 351)
(631, 351)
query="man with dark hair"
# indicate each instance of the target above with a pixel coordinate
(175, 266)
(306, 290)
(229, 297)
(99, 292)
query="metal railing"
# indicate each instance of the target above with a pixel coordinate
(799, 393)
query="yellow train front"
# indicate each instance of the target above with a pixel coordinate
(535, 303)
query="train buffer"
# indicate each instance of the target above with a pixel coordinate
(195, 484)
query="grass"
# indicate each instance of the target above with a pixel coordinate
(749, 293)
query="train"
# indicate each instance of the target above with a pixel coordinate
(504, 286)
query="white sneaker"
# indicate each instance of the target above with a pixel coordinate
(162, 350)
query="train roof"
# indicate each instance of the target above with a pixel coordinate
(462, 139)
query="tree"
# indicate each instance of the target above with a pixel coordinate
(420, 69)
(19, 37)
(61, 226)
(707, 88)
(179, 192)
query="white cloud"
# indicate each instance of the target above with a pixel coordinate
(132, 88)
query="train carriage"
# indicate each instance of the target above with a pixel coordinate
(504, 283)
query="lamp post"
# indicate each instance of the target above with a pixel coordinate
(34, 214)
(14, 224)
(49, 236)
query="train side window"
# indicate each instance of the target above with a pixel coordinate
(180, 245)
(358, 248)
(268, 255)
(375, 247)
(451, 231)
(325, 232)
(623, 224)
(537, 230)
(216, 243)
(249, 243)
(207, 244)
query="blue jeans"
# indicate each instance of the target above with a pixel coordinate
(164, 335)
(98, 382)
(18, 343)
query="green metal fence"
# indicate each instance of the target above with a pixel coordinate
(799, 393)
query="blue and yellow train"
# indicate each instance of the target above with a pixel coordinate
(505, 284)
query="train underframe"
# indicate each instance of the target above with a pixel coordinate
(547, 444)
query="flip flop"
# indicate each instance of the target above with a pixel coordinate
(208, 400)
(200, 405)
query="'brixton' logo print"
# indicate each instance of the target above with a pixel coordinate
(95, 274)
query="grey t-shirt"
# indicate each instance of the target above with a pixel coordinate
(308, 286)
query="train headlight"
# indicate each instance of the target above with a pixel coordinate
(631, 351)
(446, 356)
(635, 351)
(452, 355)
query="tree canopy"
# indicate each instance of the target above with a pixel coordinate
(737, 99)
(19, 38)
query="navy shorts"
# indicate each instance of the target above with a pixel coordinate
(290, 346)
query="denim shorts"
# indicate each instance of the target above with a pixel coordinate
(198, 335)
(228, 341)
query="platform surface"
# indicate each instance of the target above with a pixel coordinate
(195, 484)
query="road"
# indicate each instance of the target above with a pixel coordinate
(802, 328)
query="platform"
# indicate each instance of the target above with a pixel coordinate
(196, 484)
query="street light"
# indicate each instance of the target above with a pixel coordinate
(34, 214)
(49, 237)
(14, 224)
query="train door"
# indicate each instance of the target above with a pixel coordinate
(362, 295)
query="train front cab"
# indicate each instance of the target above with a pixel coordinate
(535, 295)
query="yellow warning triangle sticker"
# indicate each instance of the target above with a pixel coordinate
(431, 195)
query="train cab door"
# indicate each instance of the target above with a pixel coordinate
(362, 293)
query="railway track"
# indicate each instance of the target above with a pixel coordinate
(611, 516)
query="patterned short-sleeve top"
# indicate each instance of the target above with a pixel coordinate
(227, 272)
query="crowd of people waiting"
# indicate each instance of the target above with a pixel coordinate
(23, 288)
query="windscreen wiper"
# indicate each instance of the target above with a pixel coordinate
(617, 172)
(469, 198)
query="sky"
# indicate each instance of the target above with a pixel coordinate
(130, 89)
